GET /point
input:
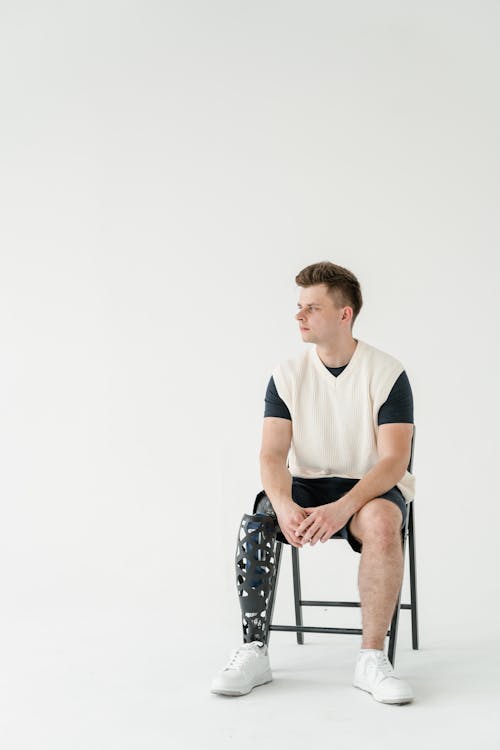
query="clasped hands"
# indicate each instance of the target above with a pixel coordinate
(322, 522)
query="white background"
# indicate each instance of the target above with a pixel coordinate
(167, 170)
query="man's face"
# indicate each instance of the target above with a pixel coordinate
(318, 318)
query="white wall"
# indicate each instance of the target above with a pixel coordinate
(168, 168)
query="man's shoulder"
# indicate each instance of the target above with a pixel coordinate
(379, 357)
(293, 364)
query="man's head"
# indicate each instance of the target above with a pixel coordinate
(329, 302)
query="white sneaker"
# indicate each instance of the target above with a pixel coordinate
(375, 674)
(248, 667)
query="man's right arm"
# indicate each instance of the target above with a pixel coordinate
(276, 479)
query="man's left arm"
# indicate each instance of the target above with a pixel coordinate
(394, 450)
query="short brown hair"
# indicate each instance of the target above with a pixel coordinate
(342, 284)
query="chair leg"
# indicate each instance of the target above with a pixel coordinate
(393, 633)
(413, 579)
(297, 594)
(277, 561)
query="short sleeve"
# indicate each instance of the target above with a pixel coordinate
(399, 404)
(274, 404)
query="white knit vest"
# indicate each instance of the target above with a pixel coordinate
(334, 419)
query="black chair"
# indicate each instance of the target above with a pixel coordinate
(300, 629)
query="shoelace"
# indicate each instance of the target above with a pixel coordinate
(384, 665)
(240, 655)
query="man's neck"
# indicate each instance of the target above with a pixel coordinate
(338, 355)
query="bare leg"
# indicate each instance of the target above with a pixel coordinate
(377, 526)
(380, 577)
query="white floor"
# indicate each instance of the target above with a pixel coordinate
(77, 680)
(311, 699)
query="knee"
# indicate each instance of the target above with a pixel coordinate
(263, 505)
(256, 532)
(258, 522)
(379, 522)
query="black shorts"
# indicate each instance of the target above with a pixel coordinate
(309, 493)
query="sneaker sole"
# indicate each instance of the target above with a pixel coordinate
(392, 701)
(263, 680)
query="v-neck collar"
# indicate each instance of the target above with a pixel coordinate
(346, 372)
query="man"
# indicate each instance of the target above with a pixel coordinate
(340, 472)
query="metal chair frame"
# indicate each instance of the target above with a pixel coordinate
(300, 628)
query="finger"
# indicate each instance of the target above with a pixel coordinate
(301, 528)
(317, 536)
(293, 542)
(311, 531)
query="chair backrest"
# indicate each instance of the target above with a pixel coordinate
(411, 451)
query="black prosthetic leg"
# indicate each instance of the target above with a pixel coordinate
(257, 565)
